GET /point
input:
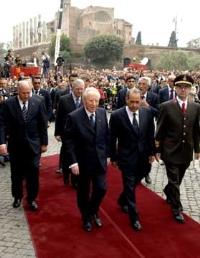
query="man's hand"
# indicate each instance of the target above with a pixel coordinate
(43, 148)
(158, 157)
(151, 159)
(58, 138)
(3, 149)
(114, 163)
(196, 155)
(108, 161)
(143, 102)
(75, 170)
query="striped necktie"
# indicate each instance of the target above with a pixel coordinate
(24, 111)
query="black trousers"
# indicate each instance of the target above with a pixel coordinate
(24, 166)
(175, 174)
(130, 179)
(90, 192)
(65, 168)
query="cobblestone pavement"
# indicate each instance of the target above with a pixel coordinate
(15, 239)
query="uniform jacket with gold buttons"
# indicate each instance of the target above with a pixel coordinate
(177, 134)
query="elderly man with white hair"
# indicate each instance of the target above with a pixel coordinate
(150, 100)
(86, 146)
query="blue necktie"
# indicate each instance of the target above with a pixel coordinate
(77, 103)
(92, 121)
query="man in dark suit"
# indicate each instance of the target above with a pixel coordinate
(23, 120)
(177, 137)
(86, 146)
(132, 143)
(66, 105)
(168, 92)
(150, 100)
(67, 90)
(121, 97)
(36, 80)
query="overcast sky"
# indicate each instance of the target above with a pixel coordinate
(154, 18)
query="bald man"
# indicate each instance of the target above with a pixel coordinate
(23, 118)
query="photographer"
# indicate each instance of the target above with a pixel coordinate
(60, 62)
(4, 92)
(8, 55)
(45, 65)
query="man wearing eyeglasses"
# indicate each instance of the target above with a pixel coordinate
(177, 137)
(46, 95)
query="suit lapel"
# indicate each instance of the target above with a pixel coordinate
(72, 104)
(17, 109)
(127, 120)
(31, 108)
(177, 106)
(98, 121)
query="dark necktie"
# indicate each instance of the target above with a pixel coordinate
(24, 112)
(77, 103)
(135, 123)
(143, 97)
(171, 94)
(92, 121)
(183, 108)
(36, 92)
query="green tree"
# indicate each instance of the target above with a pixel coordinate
(139, 39)
(64, 46)
(174, 60)
(104, 48)
(173, 40)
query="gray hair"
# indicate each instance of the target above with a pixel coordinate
(91, 90)
(133, 90)
(77, 82)
(147, 79)
(23, 82)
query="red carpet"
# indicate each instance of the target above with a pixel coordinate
(56, 227)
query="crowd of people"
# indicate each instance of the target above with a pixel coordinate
(154, 115)
(43, 63)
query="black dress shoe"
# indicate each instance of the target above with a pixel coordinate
(33, 206)
(75, 185)
(59, 171)
(179, 218)
(16, 203)
(66, 180)
(148, 179)
(168, 200)
(124, 207)
(136, 225)
(87, 226)
(97, 220)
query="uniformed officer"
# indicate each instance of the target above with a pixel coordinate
(177, 138)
